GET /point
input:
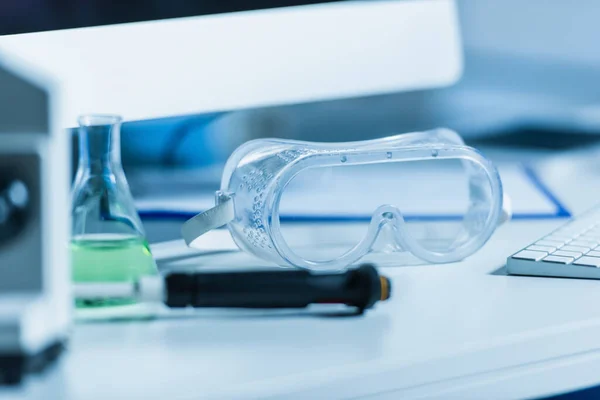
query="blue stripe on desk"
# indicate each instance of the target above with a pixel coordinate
(561, 211)
(184, 215)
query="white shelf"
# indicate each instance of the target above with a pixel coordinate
(248, 59)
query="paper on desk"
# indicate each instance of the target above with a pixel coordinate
(527, 194)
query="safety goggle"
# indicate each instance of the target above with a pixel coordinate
(328, 205)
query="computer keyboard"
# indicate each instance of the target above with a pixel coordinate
(573, 251)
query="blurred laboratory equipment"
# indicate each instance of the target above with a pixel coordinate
(35, 295)
(14, 199)
(108, 241)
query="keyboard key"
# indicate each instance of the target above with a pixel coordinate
(578, 249)
(583, 243)
(530, 255)
(555, 237)
(546, 249)
(569, 231)
(593, 254)
(549, 243)
(593, 232)
(589, 238)
(559, 259)
(588, 262)
(562, 253)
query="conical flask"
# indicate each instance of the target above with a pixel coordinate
(108, 242)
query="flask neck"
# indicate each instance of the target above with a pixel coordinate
(100, 145)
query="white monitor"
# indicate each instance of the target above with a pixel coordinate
(245, 59)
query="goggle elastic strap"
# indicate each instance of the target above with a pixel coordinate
(216, 217)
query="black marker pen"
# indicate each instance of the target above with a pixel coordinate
(360, 288)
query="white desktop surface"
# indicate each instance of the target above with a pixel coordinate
(449, 331)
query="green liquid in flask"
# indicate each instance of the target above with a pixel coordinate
(110, 258)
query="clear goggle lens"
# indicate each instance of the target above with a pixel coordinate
(384, 208)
